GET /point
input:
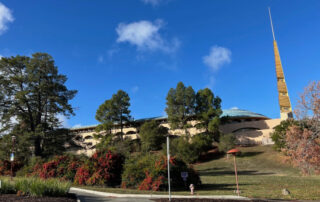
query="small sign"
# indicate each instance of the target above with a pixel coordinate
(12, 157)
(184, 176)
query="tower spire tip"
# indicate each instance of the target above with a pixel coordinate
(271, 24)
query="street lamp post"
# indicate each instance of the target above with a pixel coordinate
(234, 152)
(12, 155)
(168, 162)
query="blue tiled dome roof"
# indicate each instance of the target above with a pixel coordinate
(239, 113)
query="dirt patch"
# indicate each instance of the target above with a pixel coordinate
(13, 198)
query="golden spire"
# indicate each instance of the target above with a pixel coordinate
(284, 100)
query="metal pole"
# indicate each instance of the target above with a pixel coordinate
(235, 170)
(271, 24)
(13, 139)
(168, 159)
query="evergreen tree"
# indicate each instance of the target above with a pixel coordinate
(114, 112)
(33, 94)
(208, 111)
(152, 135)
(180, 106)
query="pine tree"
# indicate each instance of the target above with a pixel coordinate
(114, 112)
(33, 94)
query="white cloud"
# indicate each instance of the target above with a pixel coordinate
(145, 35)
(217, 57)
(152, 2)
(1, 57)
(5, 17)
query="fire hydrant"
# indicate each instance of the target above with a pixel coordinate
(191, 188)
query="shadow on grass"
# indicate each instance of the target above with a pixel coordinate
(220, 187)
(219, 172)
(249, 154)
(212, 154)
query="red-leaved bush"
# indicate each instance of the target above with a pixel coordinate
(104, 167)
(63, 167)
(5, 167)
(149, 172)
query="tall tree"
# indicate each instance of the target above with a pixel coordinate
(152, 135)
(208, 111)
(114, 112)
(180, 106)
(33, 94)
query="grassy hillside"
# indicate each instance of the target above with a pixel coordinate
(262, 174)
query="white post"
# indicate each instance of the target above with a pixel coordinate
(168, 159)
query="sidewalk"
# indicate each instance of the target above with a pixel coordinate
(152, 196)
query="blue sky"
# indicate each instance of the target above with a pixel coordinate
(145, 47)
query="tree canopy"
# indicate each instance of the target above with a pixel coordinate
(152, 135)
(208, 111)
(33, 94)
(180, 106)
(114, 111)
(184, 105)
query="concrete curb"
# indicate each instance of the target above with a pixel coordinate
(108, 194)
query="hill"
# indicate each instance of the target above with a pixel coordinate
(263, 173)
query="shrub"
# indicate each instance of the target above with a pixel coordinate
(190, 149)
(227, 142)
(279, 134)
(303, 149)
(149, 172)
(202, 142)
(103, 168)
(113, 143)
(29, 167)
(152, 136)
(184, 149)
(63, 167)
(5, 167)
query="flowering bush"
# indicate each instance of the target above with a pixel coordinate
(104, 167)
(149, 172)
(63, 167)
(82, 175)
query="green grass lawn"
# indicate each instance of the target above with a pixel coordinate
(262, 174)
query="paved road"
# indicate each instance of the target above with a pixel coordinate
(86, 197)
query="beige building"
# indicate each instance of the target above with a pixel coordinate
(249, 128)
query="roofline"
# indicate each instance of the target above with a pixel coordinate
(165, 117)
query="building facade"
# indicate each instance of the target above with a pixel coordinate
(249, 128)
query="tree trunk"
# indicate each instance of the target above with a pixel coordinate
(37, 146)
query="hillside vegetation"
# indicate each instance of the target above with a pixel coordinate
(263, 173)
